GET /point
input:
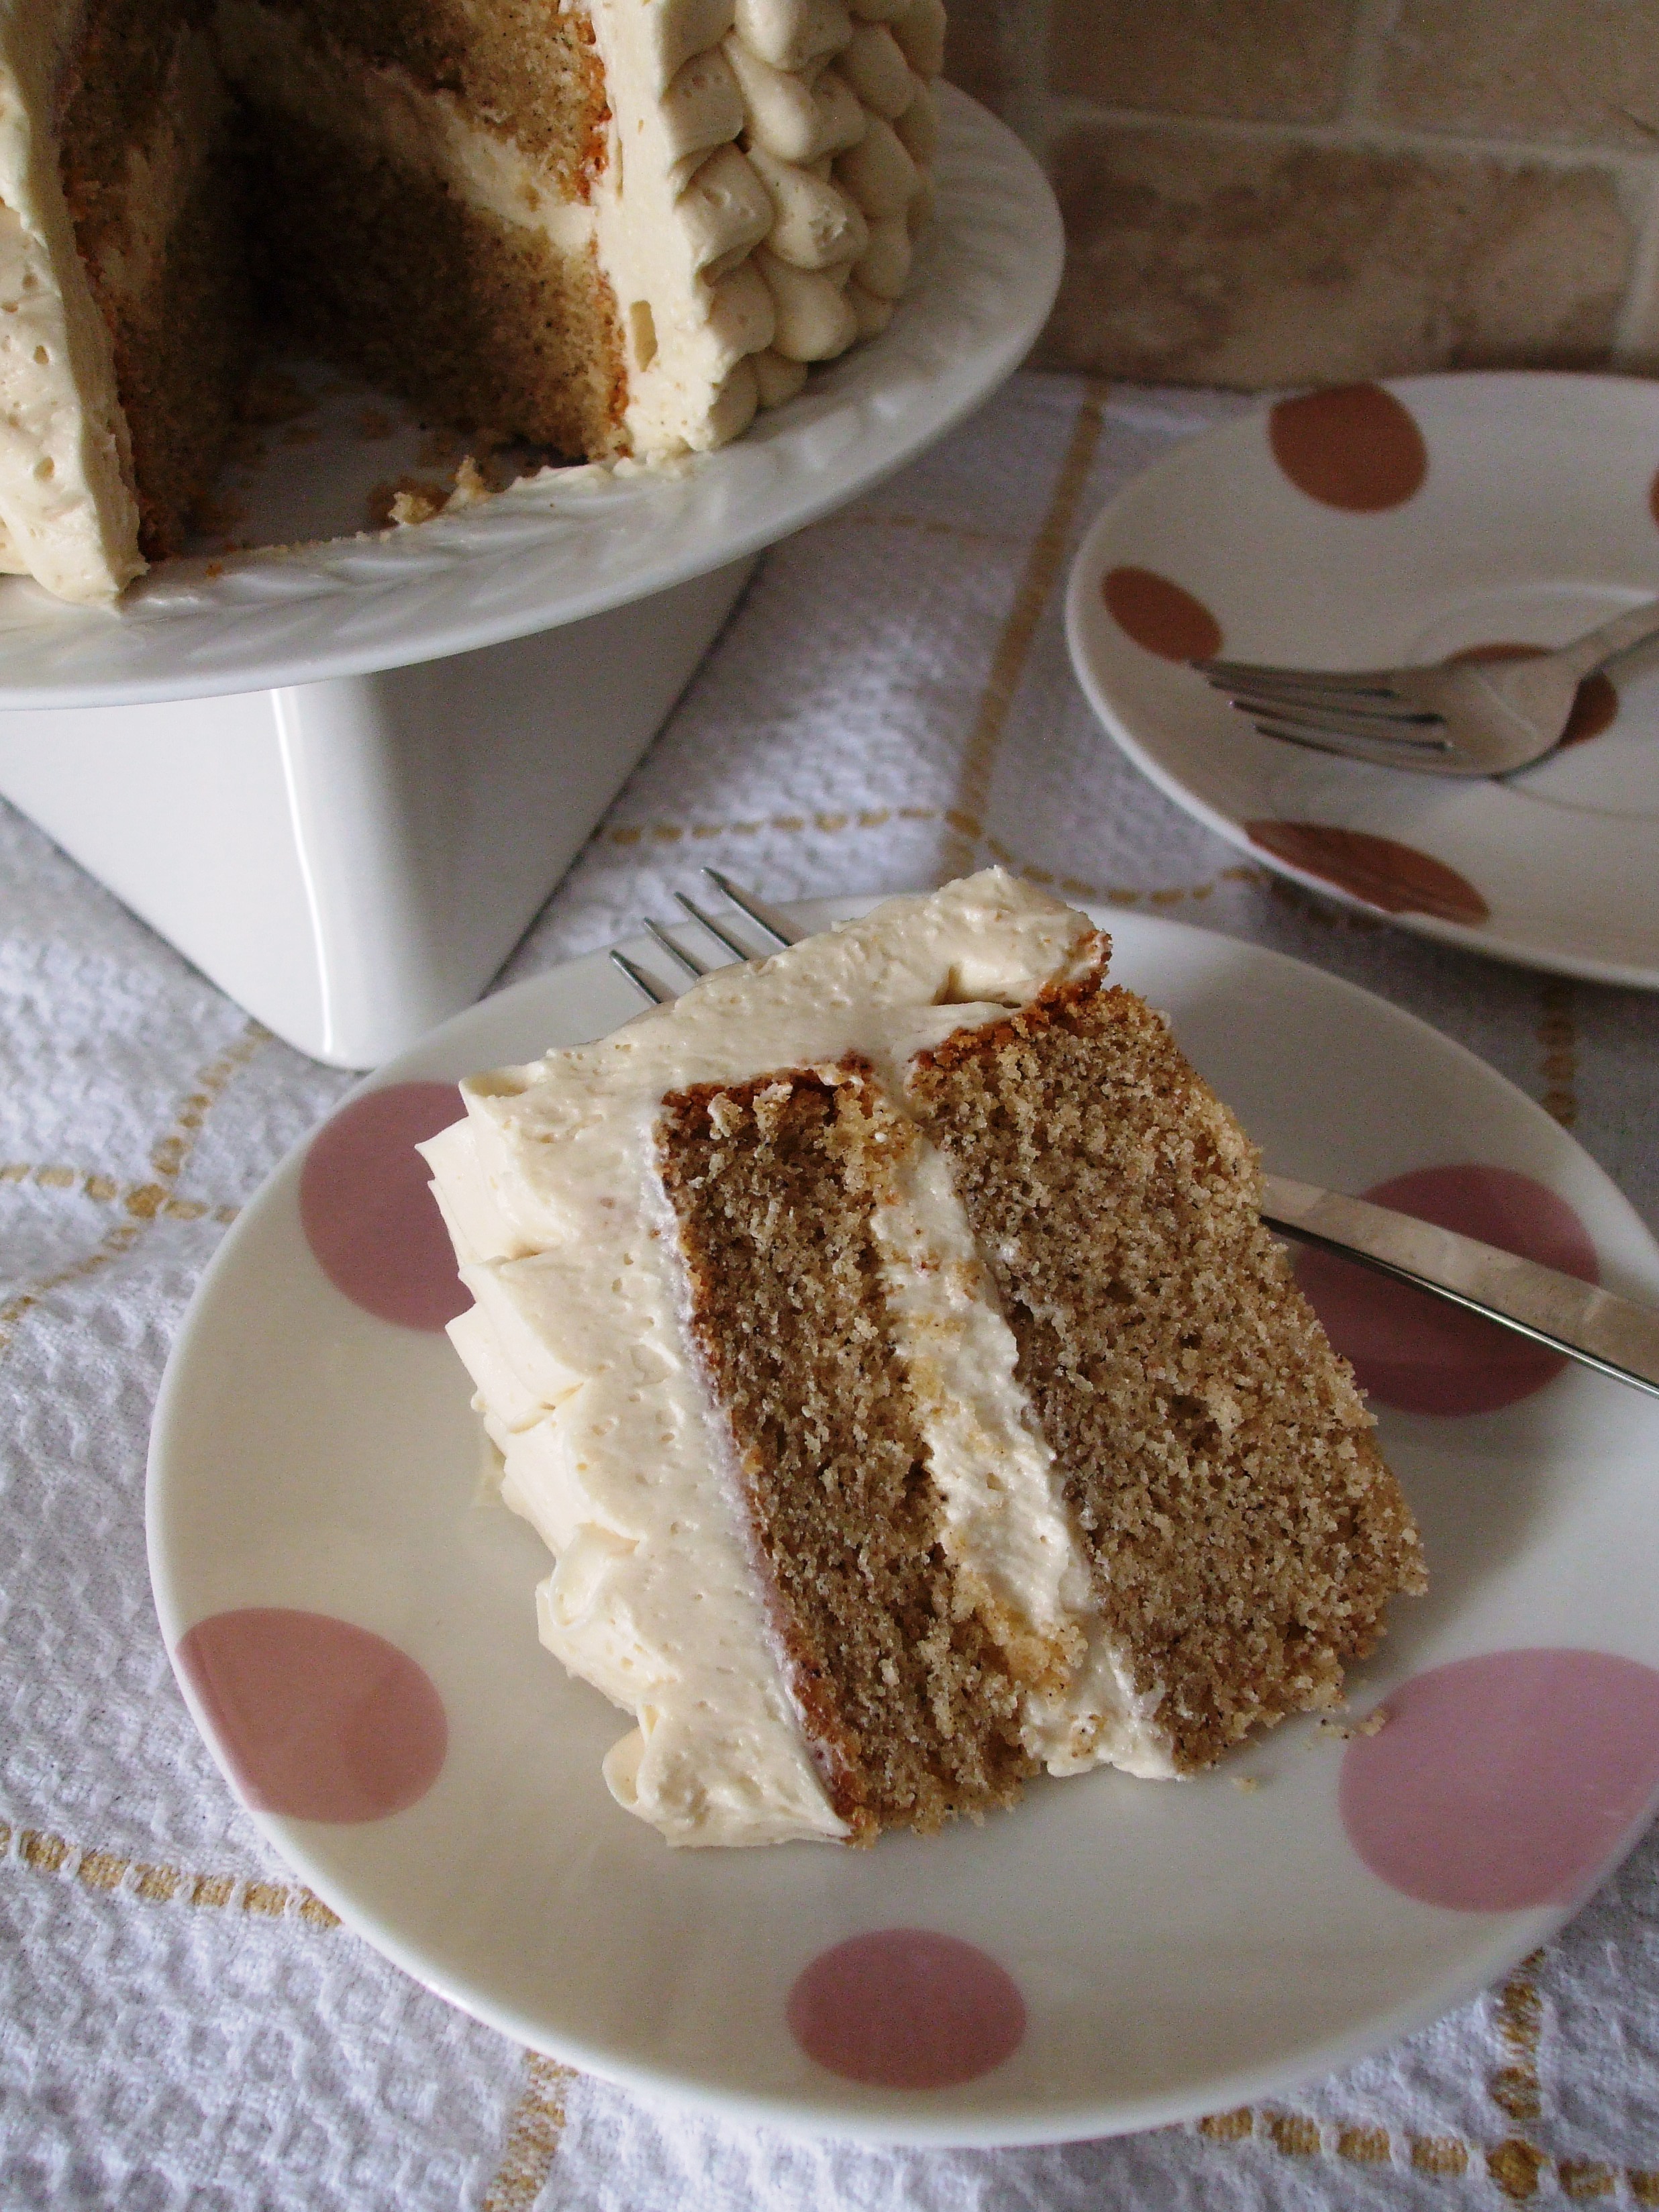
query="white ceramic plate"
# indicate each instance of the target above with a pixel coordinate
(581, 541)
(1381, 525)
(1175, 1947)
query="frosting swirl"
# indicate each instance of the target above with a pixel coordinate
(783, 149)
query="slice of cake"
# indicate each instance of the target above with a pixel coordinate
(607, 227)
(885, 1342)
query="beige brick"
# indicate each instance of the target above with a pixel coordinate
(1279, 61)
(1581, 71)
(1217, 259)
(974, 53)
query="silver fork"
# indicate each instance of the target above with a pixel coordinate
(766, 919)
(1453, 717)
(1586, 1323)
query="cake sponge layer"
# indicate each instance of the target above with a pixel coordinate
(479, 322)
(1244, 1532)
(905, 1696)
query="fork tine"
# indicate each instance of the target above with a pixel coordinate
(1340, 748)
(1375, 754)
(1389, 706)
(641, 983)
(764, 917)
(688, 961)
(1422, 733)
(721, 935)
(1222, 673)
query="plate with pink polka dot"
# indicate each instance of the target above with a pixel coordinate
(353, 1625)
(1374, 526)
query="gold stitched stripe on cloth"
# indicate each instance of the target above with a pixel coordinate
(168, 1161)
(1558, 1039)
(106, 1872)
(967, 817)
(533, 2137)
(147, 1202)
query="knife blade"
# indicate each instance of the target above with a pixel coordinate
(1614, 1335)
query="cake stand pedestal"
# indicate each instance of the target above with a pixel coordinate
(342, 776)
(353, 860)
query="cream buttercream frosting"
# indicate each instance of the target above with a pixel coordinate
(611, 1445)
(68, 515)
(766, 161)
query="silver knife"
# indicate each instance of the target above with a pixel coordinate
(1588, 1324)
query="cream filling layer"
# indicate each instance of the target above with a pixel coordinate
(265, 52)
(67, 516)
(611, 1449)
(1007, 1528)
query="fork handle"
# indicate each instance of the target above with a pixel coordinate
(1633, 628)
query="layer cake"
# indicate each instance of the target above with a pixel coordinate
(885, 1342)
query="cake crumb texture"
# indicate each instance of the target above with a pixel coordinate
(910, 1712)
(145, 156)
(475, 321)
(1244, 1531)
(528, 66)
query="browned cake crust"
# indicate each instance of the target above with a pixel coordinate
(475, 321)
(145, 150)
(908, 1709)
(1245, 1532)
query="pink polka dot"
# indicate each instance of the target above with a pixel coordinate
(905, 2008)
(1415, 1352)
(368, 1213)
(1505, 1781)
(317, 1719)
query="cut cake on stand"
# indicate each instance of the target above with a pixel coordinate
(615, 228)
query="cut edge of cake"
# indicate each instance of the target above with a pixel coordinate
(68, 513)
(767, 1197)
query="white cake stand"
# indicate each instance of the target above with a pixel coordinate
(342, 776)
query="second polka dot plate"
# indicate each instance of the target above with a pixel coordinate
(1373, 526)
(355, 1634)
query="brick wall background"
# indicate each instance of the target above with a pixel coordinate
(1282, 191)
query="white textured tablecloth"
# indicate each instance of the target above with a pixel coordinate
(183, 2027)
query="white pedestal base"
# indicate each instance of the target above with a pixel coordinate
(352, 861)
